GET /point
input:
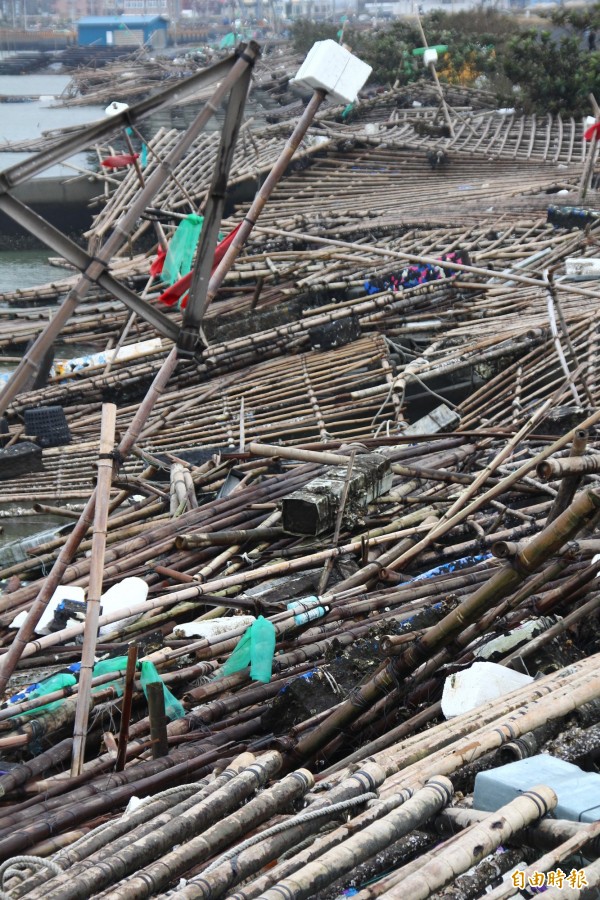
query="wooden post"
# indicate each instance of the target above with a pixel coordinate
(105, 466)
(158, 719)
(126, 708)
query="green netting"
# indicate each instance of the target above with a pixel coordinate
(255, 649)
(118, 664)
(173, 708)
(182, 246)
(53, 683)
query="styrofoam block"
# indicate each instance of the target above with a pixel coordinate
(480, 683)
(430, 56)
(442, 418)
(332, 68)
(213, 627)
(582, 265)
(126, 593)
(115, 108)
(71, 592)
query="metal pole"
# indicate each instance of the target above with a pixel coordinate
(95, 268)
(90, 134)
(263, 195)
(213, 213)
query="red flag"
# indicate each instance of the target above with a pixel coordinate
(158, 262)
(181, 287)
(592, 132)
(119, 162)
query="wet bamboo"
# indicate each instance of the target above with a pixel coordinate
(226, 538)
(159, 810)
(9, 660)
(331, 865)
(215, 880)
(589, 881)
(502, 486)
(480, 840)
(90, 878)
(169, 770)
(45, 760)
(570, 465)
(126, 708)
(540, 548)
(268, 802)
(263, 195)
(158, 719)
(544, 835)
(92, 610)
(569, 484)
(419, 258)
(55, 511)
(211, 587)
(298, 454)
(325, 574)
(550, 861)
(579, 614)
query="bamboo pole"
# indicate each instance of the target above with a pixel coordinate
(540, 548)
(271, 800)
(158, 719)
(549, 861)
(482, 839)
(324, 870)
(92, 876)
(569, 484)
(9, 660)
(126, 708)
(263, 195)
(92, 613)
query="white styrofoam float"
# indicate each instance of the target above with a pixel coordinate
(213, 627)
(480, 683)
(331, 68)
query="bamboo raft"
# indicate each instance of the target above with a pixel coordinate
(232, 484)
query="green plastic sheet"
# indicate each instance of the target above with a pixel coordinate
(182, 246)
(173, 708)
(255, 648)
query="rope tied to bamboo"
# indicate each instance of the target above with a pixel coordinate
(17, 864)
(300, 819)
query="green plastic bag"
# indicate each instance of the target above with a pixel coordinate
(240, 658)
(262, 648)
(173, 708)
(182, 246)
(255, 649)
